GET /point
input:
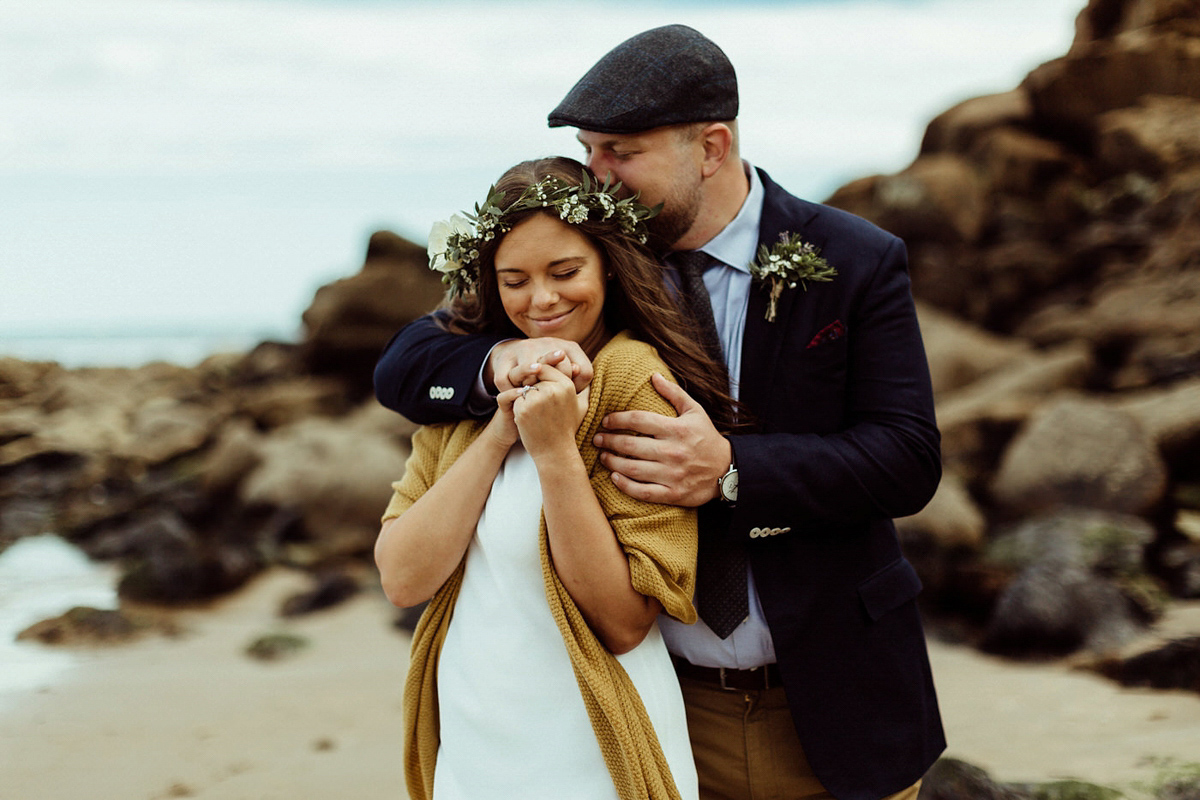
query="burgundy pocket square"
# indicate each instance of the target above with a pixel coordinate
(830, 333)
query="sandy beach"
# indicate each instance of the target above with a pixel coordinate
(194, 716)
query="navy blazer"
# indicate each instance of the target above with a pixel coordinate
(845, 440)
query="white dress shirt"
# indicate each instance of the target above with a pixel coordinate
(729, 284)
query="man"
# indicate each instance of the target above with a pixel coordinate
(808, 674)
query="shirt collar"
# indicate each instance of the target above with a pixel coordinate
(737, 243)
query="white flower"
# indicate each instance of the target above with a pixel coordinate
(791, 262)
(439, 242)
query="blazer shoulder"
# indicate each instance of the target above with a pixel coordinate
(823, 223)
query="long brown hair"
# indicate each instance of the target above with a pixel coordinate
(637, 299)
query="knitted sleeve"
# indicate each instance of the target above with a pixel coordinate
(421, 469)
(659, 540)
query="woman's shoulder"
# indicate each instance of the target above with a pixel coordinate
(624, 352)
(445, 441)
(622, 372)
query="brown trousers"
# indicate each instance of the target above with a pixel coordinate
(746, 746)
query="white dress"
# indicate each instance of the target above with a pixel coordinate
(513, 724)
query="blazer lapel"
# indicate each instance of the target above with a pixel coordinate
(762, 340)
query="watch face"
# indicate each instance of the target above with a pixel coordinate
(729, 486)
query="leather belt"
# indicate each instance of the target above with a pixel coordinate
(733, 680)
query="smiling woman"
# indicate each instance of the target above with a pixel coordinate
(551, 282)
(493, 518)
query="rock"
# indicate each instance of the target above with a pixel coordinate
(331, 589)
(1072, 790)
(978, 421)
(1185, 786)
(351, 320)
(1051, 610)
(234, 456)
(1177, 560)
(168, 562)
(92, 626)
(1079, 585)
(94, 431)
(1143, 323)
(1187, 522)
(957, 129)
(1104, 19)
(276, 646)
(337, 476)
(1156, 137)
(1129, 309)
(1111, 544)
(1080, 453)
(960, 353)
(1170, 416)
(20, 378)
(407, 618)
(371, 418)
(1070, 93)
(1175, 665)
(1014, 160)
(1009, 276)
(951, 520)
(938, 198)
(952, 779)
(164, 428)
(281, 402)
(943, 541)
(267, 362)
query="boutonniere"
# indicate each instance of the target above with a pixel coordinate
(789, 262)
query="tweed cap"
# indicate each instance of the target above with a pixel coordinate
(664, 76)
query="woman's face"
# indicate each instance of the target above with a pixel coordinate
(551, 281)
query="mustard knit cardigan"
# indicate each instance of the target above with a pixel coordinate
(660, 542)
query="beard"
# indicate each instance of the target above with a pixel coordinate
(679, 212)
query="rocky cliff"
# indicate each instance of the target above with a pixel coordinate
(1054, 240)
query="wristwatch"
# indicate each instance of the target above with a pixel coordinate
(727, 485)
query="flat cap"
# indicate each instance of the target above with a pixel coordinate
(664, 76)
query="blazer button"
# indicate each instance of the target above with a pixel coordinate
(755, 533)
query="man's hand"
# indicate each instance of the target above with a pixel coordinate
(675, 461)
(509, 364)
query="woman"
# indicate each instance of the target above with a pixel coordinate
(515, 530)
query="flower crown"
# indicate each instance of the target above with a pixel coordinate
(454, 243)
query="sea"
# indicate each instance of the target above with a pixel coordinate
(178, 177)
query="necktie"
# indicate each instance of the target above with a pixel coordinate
(692, 265)
(721, 593)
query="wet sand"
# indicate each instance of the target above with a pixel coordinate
(195, 717)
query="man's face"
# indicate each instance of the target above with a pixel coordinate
(660, 164)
